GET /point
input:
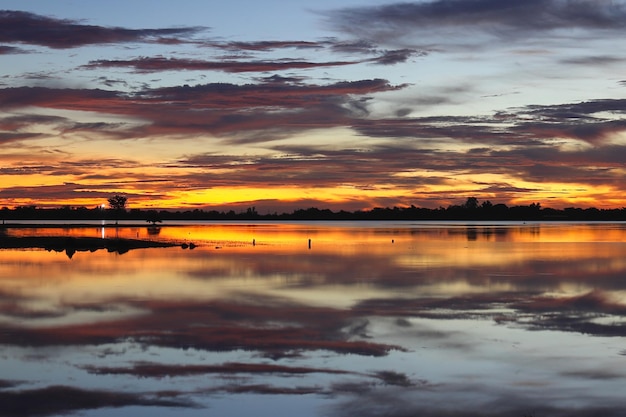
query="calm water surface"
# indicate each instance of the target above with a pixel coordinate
(318, 319)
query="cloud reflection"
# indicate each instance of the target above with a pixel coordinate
(274, 328)
(444, 319)
(55, 400)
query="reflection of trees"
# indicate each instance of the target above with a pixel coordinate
(487, 233)
(154, 230)
(71, 245)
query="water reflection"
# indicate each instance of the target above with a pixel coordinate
(373, 319)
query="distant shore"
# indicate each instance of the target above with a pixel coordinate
(471, 210)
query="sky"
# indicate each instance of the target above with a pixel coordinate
(342, 104)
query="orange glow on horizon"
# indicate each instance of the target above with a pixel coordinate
(300, 198)
(160, 187)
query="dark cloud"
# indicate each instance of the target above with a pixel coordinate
(26, 120)
(595, 374)
(394, 378)
(502, 19)
(30, 28)
(71, 99)
(154, 370)
(156, 64)
(478, 403)
(326, 106)
(396, 56)
(266, 389)
(173, 64)
(589, 121)
(80, 168)
(10, 50)
(8, 384)
(227, 370)
(267, 45)
(255, 94)
(592, 131)
(593, 60)
(356, 46)
(56, 400)
(52, 192)
(7, 137)
(278, 79)
(580, 110)
(469, 129)
(157, 103)
(112, 82)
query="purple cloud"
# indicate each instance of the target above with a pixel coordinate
(34, 29)
(146, 64)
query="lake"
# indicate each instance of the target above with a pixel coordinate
(317, 319)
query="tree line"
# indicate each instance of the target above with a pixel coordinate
(471, 209)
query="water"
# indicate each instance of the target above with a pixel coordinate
(318, 319)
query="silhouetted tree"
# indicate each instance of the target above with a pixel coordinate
(117, 203)
(153, 217)
(471, 203)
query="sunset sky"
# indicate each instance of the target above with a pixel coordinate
(342, 104)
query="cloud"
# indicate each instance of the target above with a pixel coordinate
(580, 111)
(33, 29)
(593, 121)
(156, 64)
(355, 46)
(594, 302)
(266, 389)
(52, 192)
(155, 370)
(396, 56)
(531, 311)
(7, 137)
(24, 121)
(8, 384)
(266, 45)
(594, 374)
(478, 401)
(11, 50)
(240, 370)
(55, 400)
(69, 99)
(269, 111)
(496, 18)
(594, 60)
(146, 64)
